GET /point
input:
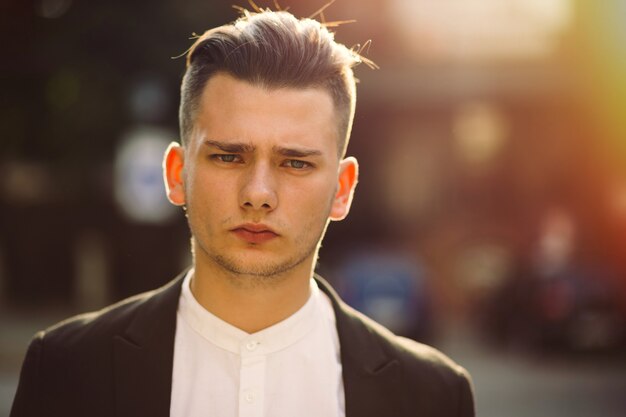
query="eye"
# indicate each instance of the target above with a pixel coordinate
(227, 158)
(297, 164)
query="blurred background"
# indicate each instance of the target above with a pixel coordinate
(490, 219)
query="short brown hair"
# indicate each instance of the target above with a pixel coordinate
(275, 50)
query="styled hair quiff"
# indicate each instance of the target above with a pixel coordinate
(272, 49)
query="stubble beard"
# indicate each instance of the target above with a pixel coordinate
(268, 274)
(262, 274)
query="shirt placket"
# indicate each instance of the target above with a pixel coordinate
(252, 379)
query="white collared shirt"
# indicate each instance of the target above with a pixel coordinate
(292, 368)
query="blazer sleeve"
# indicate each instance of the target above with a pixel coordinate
(466, 395)
(27, 399)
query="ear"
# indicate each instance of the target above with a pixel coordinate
(347, 180)
(173, 163)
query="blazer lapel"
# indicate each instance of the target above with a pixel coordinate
(372, 378)
(143, 356)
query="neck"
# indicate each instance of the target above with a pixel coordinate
(251, 303)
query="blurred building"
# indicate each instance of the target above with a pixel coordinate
(483, 116)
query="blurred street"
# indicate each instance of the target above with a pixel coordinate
(519, 384)
(506, 384)
(492, 182)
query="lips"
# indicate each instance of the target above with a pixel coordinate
(254, 233)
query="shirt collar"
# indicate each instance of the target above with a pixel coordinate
(226, 336)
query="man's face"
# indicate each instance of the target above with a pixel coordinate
(260, 176)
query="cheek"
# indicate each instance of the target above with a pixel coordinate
(314, 197)
(208, 192)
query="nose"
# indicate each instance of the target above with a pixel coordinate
(258, 191)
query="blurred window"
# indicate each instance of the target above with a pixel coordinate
(481, 29)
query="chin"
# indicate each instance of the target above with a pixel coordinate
(255, 266)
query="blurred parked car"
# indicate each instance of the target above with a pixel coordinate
(391, 289)
(573, 308)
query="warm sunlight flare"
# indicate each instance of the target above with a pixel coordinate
(481, 29)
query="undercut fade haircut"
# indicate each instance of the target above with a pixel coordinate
(272, 49)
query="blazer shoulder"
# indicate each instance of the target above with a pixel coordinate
(70, 367)
(439, 379)
(428, 358)
(412, 354)
(359, 330)
(431, 381)
(93, 326)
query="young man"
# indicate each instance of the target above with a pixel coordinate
(266, 109)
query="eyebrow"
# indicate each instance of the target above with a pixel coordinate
(296, 153)
(230, 147)
(240, 147)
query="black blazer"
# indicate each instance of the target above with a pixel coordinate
(118, 362)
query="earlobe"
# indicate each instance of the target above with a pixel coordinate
(347, 180)
(173, 163)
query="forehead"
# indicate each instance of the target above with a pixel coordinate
(232, 109)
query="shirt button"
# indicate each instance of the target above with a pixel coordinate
(252, 345)
(249, 397)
